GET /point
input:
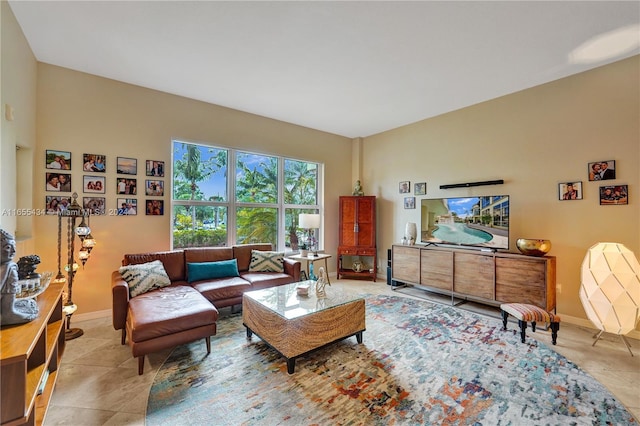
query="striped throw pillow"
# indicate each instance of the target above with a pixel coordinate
(266, 261)
(145, 277)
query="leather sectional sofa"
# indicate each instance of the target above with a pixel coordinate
(186, 310)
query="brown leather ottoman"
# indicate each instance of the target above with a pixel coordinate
(168, 317)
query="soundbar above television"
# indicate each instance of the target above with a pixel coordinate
(475, 222)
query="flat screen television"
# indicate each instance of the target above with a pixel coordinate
(481, 221)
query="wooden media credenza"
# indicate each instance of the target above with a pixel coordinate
(486, 277)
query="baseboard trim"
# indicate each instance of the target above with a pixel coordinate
(91, 315)
(581, 322)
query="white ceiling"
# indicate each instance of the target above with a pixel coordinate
(349, 68)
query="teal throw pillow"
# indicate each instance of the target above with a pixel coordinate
(209, 270)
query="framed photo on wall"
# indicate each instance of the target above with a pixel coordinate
(614, 195)
(127, 166)
(126, 186)
(154, 207)
(58, 160)
(127, 206)
(404, 187)
(96, 205)
(409, 202)
(93, 184)
(420, 188)
(94, 163)
(56, 203)
(570, 191)
(155, 168)
(154, 187)
(59, 182)
(602, 170)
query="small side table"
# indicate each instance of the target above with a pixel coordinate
(312, 259)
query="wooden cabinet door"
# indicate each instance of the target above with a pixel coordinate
(366, 221)
(526, 280)
(347, 221)
(436, 269)
(474, 275)
(406, 264)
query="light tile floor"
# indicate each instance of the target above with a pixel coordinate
(98, 381)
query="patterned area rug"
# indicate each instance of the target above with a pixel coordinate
(420, 363)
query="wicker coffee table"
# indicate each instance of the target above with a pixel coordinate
(295, 325)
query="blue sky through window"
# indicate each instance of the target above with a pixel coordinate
(216, 185)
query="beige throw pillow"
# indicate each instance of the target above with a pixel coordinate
(145, 277)
(266, 261)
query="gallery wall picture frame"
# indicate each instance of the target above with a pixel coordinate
(404, 187)
(154, 187)
(601, 170)
(420, 188)
(94, 163)
(94, 184)
(58, 160)
(96, 205)
(154, 207)
(614, 195)
(154, 168)
(54, 204)
(409, 202)
(127, 166)
(126, 186)
(58, 182)
(127, 206)
(570, 191)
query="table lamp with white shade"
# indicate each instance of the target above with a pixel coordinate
(310, 222)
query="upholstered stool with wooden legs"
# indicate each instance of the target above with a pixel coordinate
(525, 313)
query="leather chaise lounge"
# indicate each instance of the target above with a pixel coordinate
(186, 309)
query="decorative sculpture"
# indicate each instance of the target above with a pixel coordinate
(27, 267)
(357, 190)
(12, 310)
(321, 283)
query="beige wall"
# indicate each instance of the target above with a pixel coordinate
(534, 140)
(18, 88)
(82, 113)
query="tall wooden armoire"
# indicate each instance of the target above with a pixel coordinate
(357, 255)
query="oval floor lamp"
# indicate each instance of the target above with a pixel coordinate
(610, 289)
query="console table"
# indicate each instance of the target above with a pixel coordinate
(486, 277)
(29, 361)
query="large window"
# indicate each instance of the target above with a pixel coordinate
(267, 195)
